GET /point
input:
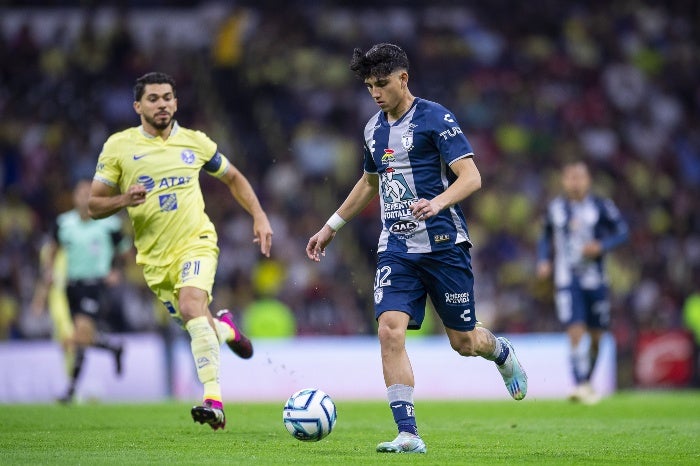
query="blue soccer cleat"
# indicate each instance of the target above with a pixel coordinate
(513, 373)
(403, 443)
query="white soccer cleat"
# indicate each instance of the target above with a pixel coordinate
(585, 394)
(513, 373)
(403, 443)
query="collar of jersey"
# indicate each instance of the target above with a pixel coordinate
(397, 122)
(150, 136)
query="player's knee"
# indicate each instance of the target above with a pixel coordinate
(389, 334)
(82, 338)
(189, 313)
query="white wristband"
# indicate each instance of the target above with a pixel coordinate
(336, 222)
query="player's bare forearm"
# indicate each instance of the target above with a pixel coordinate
(105, 201)
(361, 194)
(101, 207)
(243, 192)
(468, 181)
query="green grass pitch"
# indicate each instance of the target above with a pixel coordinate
(629, 428)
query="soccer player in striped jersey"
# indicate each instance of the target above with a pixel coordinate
(419, 162)
(153, 171)
(579, 229)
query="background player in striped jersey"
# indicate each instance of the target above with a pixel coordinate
(579, 229)
(421, 165)
(153, 171)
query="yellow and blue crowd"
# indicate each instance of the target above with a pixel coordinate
(612, 83)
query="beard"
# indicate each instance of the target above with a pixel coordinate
(159, 123)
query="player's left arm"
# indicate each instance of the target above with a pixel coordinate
(618, 231)
(468, 181)
(243, 193)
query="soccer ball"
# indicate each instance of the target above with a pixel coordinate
(309, 415)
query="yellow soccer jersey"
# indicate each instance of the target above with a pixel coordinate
(173, 213)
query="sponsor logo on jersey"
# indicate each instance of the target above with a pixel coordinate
(147, 182)
(170, 181)
(167, 202)
(404, 227)
(441, 238)
(139, 157)
(388, 156)
(452, 132)
(457, 298)
(394, 187)
(187, 156)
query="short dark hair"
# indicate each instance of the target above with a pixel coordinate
(379, 61)
(154, 77)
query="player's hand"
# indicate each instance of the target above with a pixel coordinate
(318, 242)
(423, 209)
(135, 195)
(592, 250)
(544, 269)
(262, 234)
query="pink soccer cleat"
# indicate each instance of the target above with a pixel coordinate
(240, 344)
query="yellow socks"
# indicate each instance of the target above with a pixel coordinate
(205, 349)
(223, 332)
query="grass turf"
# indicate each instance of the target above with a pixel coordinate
(628, 428)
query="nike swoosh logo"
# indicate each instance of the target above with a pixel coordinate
(137, 157)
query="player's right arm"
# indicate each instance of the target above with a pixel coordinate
(106, 200)
(362, 193)
(544, 248)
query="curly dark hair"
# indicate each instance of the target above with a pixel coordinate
(379, 61)
(154, 77)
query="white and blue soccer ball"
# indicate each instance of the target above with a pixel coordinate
(309, 415)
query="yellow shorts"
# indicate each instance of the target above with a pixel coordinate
(196, 267)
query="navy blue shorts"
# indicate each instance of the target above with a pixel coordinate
(403, 282)
(589, 306)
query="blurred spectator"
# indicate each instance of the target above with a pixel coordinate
(612, 83)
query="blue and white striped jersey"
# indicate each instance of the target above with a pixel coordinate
(570, 225)
(412, 157)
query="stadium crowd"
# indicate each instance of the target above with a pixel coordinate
(612, 83)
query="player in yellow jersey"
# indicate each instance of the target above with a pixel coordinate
(153, 171)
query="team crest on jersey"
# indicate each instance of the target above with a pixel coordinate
(378, 294)
(187, 156)
(407, 139)
(388, 156)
